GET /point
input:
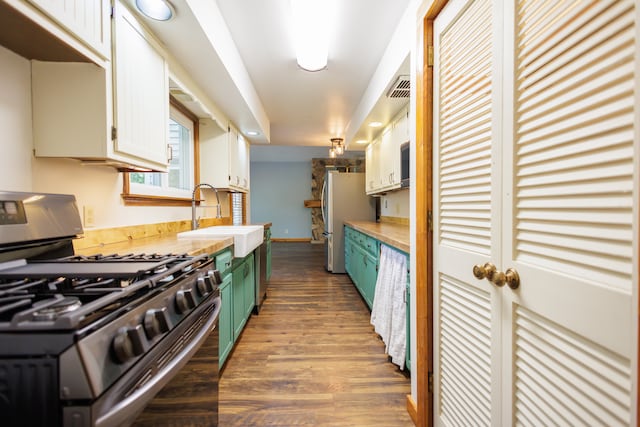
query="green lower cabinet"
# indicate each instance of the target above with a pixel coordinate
(369, 277)
(239, 317)
(362, 258)
(238, 298)
(268, 245)
(225, 321)
(249, 285)
(348, 248)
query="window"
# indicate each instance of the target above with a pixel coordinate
(175, 186)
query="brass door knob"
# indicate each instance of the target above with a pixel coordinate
(485, 271)
(488, 271)
(512, 277)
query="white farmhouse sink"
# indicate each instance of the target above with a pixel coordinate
(245, 237)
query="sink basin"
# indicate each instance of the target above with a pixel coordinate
(245, 237)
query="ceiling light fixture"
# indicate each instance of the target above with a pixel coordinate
(253, 133)
(160, 10)
(361, 141)
(375, 124)
(337, 148)
(311, 33)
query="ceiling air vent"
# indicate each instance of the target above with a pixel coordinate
(400, 88)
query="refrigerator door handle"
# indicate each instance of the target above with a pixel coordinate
(322, 205)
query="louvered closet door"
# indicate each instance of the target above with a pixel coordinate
(569, 225)
(466, 217)
(536, 171)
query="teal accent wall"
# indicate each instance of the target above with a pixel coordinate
(278, 192)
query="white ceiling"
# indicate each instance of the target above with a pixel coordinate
(289, 106)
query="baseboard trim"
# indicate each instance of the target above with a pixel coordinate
(412, 409)
(295, 240)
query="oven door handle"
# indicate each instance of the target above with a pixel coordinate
(123, 412)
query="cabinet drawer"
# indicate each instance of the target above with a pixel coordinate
(370, 245)
(349, 233)
(223, 260)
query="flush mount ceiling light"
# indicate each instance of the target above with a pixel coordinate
(375, 124)
(311, 33)
(160, 10)
(337, 148)
(253, 133)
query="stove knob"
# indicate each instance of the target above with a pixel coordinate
(184, 300)
(128, 343)
(156, 322)
(204, 286)
(214, 276)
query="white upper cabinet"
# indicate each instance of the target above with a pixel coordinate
(372, 171)
(141, 91)
(87, 20)
(224, 157)
(383, 156)
(74, 104)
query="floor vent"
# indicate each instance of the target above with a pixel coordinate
(400, 87)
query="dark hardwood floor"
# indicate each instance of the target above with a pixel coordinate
(311, 358)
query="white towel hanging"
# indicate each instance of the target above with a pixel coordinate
(388, 314)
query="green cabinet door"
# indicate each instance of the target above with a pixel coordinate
(225, 324)
(358, 267)
(249, 285)
(239, 318)
(369, 277)
(268, 245)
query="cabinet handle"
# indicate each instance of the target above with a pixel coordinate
(169, 153)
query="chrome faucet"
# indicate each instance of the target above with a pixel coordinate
(195, 223)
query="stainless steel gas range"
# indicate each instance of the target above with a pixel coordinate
(89, 341)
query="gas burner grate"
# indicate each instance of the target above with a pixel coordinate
(122, 257)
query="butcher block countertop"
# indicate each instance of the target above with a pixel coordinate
(160, 245)
(392, 234)
(150, 239)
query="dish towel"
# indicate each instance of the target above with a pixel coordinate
(388, 314)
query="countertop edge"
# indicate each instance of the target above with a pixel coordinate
(395, 235)
(161, 245)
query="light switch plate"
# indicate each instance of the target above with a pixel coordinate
(88, 216)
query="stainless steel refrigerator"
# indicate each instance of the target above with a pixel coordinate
(343, 199)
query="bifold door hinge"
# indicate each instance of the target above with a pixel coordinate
(114, 133)
(430, 56)
(430, 220)
(430, 382)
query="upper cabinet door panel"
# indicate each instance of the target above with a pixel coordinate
(88, 20)
(141, 92)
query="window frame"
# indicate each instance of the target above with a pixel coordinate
(138, 199)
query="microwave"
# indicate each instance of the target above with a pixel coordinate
(405, 156)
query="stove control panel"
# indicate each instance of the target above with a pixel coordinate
(113, 349)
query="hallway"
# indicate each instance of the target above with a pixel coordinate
(311, 358)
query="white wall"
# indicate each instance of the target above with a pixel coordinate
(396, 204)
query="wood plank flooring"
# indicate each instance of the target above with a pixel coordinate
(311, 358)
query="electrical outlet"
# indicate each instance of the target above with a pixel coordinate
(88, 215)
